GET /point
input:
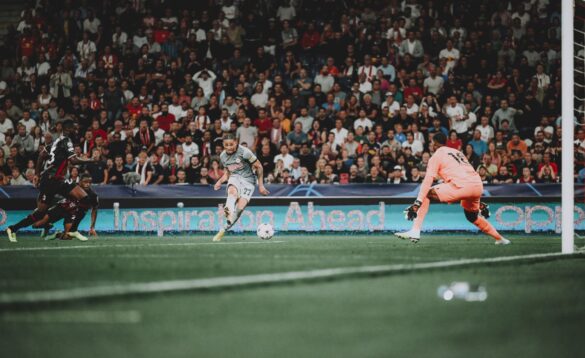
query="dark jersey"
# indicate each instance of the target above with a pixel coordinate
(79, 208)
(90, 201)
(71, 211)
(59, 154)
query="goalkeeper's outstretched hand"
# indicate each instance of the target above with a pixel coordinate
(484, 210)
(411, 212)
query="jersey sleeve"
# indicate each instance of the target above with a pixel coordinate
(69, 148)
(430, 175)
(222, 159)
(249, 156)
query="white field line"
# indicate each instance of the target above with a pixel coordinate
(89, 246)
(254, 280)
(79, 316)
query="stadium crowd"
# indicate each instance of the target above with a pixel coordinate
(330, 91)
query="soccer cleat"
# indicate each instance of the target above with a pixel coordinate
(78, 236)
(45, 230)
(11, 234)
(219, 235)
(64, 236)
(53, 236)
(484, 210)
(410, 235)
(503, 241)
(229, 216)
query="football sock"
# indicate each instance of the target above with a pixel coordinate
(487, 228)
(27, 221)
(420, 215)
(230, 203)
(238, 214)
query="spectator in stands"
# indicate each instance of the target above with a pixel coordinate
(181, 72)
(479, 146)
(17, 178)
(503, 176)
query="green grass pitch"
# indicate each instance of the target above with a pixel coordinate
(533, 309)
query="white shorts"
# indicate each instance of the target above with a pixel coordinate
(245, 189)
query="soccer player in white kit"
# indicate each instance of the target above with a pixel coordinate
(239, 164)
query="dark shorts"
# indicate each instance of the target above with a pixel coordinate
(50, 187)
(68, 214)
(57, 213)
(76, 220)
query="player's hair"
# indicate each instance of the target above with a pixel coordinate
(228, 136)
(68, 124)
(440, 138)
(84, 176)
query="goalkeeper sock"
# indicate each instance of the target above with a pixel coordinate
(420, 215)
(487, 228)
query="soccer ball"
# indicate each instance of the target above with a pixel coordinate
(265, 231)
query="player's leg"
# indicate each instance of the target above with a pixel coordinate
(471, 207)
(242, 192)
(240, 207)
(44, 224)
(424, 209)
(36, 215)
(74, 228)
(230, 204)
(229, 209)
(414, 233)
(245, 191)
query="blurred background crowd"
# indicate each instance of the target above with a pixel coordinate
(330, 91)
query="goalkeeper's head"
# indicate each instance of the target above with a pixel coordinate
(439, 140)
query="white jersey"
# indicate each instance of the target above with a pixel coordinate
(239, 164)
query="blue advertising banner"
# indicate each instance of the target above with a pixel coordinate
(312, 190)
(525, 217)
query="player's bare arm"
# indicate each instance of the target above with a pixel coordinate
(76, 160)
(221, 180)
(94, 213)
(260, 174)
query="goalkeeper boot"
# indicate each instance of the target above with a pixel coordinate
(412, 235)
(219, 235)
(503, 241)
(78, 236)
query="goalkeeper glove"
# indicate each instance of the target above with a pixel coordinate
(411, 212)
(484, 210)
